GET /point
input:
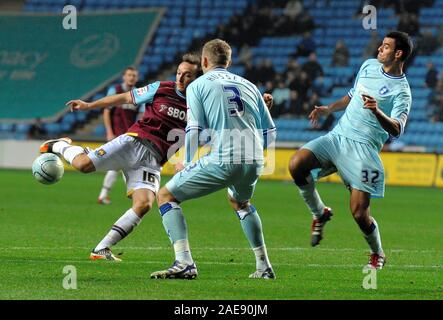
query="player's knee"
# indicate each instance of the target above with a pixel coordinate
(238, 205)
(142, 206)
(297, 169)
(83, 163)
(294, 164)
(164, 196)
(359, 211)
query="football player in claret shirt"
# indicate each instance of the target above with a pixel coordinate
(141, 152)
(117, 120)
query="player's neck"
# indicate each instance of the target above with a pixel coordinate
(210, 68)
(394, 69)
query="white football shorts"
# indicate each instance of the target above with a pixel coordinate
(139, 162)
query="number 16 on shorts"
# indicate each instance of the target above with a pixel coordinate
(148, 179)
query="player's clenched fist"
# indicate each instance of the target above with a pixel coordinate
(78, 105)
(370, 103)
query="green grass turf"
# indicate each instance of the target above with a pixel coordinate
(44, 228)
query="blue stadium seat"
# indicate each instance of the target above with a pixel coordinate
(65, 127)
(98, 96)
(81, 116)
(22, 128)
(6, 127)
(53, 129)
(100, 130)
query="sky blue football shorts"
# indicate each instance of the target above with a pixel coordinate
(208, 176)
(358, 164)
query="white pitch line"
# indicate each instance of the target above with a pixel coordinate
(224, 249)
(336, 266)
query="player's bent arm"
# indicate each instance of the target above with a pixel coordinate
(114, 100)
(326, 110)
(390, 125)
(339, 104)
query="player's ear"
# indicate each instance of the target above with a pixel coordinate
(229, 64)
(398, 54)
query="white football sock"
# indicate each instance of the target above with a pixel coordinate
(374, 240)
(108, 182)
(183, 252)
(261, 258)
(312, 199)
(120, 229)
(69, 152)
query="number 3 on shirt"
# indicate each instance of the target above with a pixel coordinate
(237, 109)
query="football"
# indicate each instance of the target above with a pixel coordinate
(48, 168)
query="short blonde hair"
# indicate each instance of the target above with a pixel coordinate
(218, 52)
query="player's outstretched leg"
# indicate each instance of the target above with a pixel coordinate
(177, 231)
(300, 166)
(108, 182)
(74, 155)
(360, 210)
(252, 227)
(142, 200)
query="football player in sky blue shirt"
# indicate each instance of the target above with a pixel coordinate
(231, 110)
(377, 106)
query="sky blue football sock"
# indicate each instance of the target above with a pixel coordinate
(175, 226)
(372, 237)
(252, 228)
(312, 199)
(251, 225)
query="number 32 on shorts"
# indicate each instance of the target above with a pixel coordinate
(370, 176)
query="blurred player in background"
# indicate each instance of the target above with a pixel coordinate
(223, 103)
(140, 152)
(376, 107)
(118, 119)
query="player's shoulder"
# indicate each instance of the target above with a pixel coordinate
(200, 83)
(370, 63)
(404, 87)
(166, 84)
(163, 87)
(245, 81)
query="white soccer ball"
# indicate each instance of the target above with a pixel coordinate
(48, 168)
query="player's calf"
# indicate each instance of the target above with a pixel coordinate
(300, 166)
(368, 225)
(74, 155)
(83, 163)
(252, 228)
(141, 202)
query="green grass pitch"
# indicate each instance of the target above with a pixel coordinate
(44, 228)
